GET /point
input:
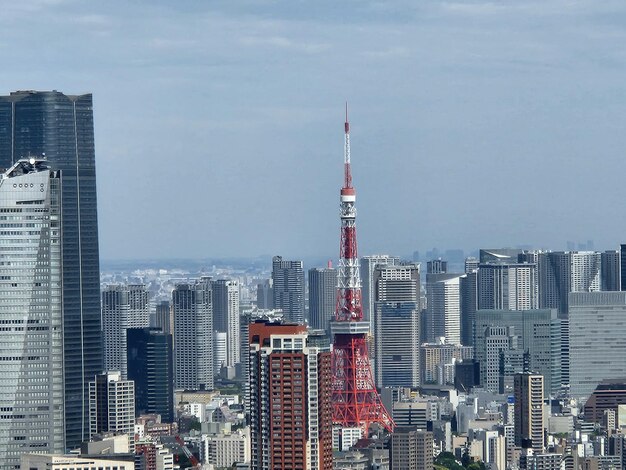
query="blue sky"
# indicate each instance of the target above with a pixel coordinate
(219, 124)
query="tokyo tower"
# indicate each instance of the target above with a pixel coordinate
(356, 403)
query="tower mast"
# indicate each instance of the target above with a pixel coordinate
(356, 403)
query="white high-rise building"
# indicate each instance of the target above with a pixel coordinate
(396, 308)
(508, 286)
(226, 317)
(123, 307)
(220, 347)
(112, 405)
(443, 309)
(368, 288)
(31, 318)
(193, 335)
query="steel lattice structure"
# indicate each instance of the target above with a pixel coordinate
(356, 402)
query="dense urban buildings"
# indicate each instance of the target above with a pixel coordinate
(290, 398)
(508, 286)
(411, 449)
(150, 366)
(322, 297)
(193, 335)
(34, 123)
(367, 267)
(503, 337)
(288, 288)
(31, 315)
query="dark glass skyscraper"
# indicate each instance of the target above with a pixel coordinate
(150, 365)
(288, 280)
(61, 127)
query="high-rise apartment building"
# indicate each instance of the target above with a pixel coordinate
(288, 288)
(31, 316)
(597, 333)
(226, 317)
(411, 449)
(468, 291)
(516, 332)
(563, 272)
(193, 335)
(61, 127)
(471, 264)
(437, 266)
(290, 398)
(151, 367)
(322, 297)
(220, 348)
(123, 307)
(443, 309)
(507, 286)
(396, 356)
(112, 405)
(529, 422)
(367, 269)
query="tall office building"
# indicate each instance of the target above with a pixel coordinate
(396, 356)
(443, 309)
(61, 127)
(610, 271)
(220, 348)
(123, 307)
(471, 264)
(563, 272)
(468, 291)
(322, 297)
(411, 449)
(164, 317)
(290, 398)
(511, 332)
(226, 317)
(622, 267)
(437, 266)
(507, 286)
(597, 339)
(31, 314)
(529, 422)
(288, 288)
(265, 294)
(151, 367)
(367, 269)
(193, 335)
(112, 405)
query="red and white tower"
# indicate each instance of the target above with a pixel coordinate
(356, 403)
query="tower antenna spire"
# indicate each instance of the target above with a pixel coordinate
(346, 156)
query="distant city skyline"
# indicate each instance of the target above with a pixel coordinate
(469, 138)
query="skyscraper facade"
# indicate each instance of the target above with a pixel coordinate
(536, 332)
(610, 274)
(123, 307)
(164, 317)
(411, 449)
(322, 297)
(226, 317)
(396, 309)
(443, 309)
(31, 316)
(468, 291)
(288, 288)
(529, 422)
(597, 333)
(507, 286)
(112, 405)
(290, 398)
(151, 367)
(367, 269)
(193, 335)
(61, 127)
